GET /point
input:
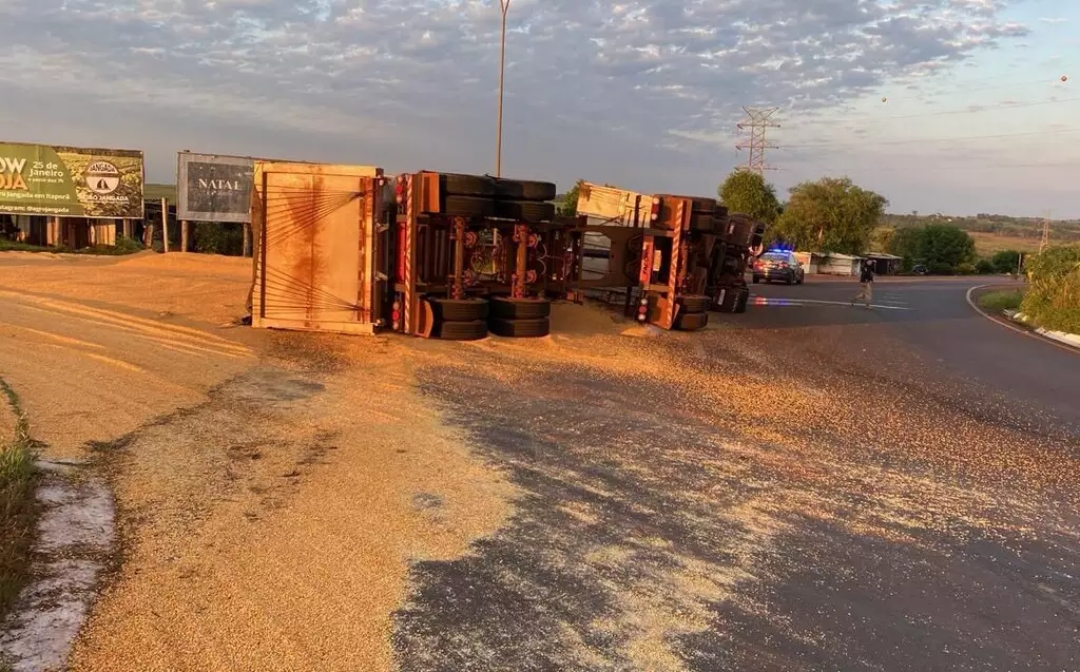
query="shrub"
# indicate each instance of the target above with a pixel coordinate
(986, 267)
(1053, 296)
(965, 268)
(18, 508)
(125, 244)
(219, 238)
(1006, 261)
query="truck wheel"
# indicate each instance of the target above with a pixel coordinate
(456, 184)
(740, 302)
(519, 309)
(530, 328)
(524, 190)
(463, 331)
(695, 303)
(702, 221)
(691, 321)
(525, 211)
(460, 310)
(468, 206)
(728, 300)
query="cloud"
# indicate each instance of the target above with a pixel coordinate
(1054, 21)
(631, 91)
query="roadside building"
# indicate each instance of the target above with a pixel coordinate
(840, 264)
(885, 264)
(811, 261)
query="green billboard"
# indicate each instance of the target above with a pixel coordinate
(70, 181)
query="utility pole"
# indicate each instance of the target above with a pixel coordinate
(757, 122)
(504, 5)
(1045, 242)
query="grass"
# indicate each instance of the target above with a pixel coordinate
(18, 508)
(123, 246)
(986, 244)
(155, 192)
(1000, 300)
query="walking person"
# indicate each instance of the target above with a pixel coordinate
(866, 279)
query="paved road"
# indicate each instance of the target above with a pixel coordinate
(804, 487)
(932, 318)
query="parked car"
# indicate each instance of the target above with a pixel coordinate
(779, 265)
(920, 269)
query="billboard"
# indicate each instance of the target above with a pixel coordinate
(70, 181)
(212, 188)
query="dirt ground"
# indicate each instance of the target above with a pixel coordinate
(269, 509)
(611, 497)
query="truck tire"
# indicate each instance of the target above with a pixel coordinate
(460, 310)
(524, 190)
(741, 300)
(702, 221)
(519, 309)
(695, 303)
(525, 211)
(463, 331)
(728, 298)
(457, 184)
(691, 321)
(530, 328)
(468, 206)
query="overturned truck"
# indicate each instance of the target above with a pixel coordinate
(445, 255)
(669, 258)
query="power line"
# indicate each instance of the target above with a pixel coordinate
(1045, 242)
(909, 141)
(1058, 82)
(932, 164)
(986, 108)
(757, 121)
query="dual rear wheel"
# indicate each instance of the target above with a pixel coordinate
(473, 318)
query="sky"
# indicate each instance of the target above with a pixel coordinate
(952, 106)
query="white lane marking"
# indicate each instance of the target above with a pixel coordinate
(772, 301)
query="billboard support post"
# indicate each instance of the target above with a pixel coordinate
(165, 224)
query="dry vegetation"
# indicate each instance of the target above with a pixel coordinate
(986, 244)
(17, 507)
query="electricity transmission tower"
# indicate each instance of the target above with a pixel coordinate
(1045, 242)
(757, 122)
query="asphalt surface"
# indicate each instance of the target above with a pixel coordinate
(833, 489)
(932, 318)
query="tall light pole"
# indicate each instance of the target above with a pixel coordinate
(504, 5)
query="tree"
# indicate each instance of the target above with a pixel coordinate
(881, 239)
(943, 247)
(747, 192)
(831, 215)
(905, 243)
(568, 201)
